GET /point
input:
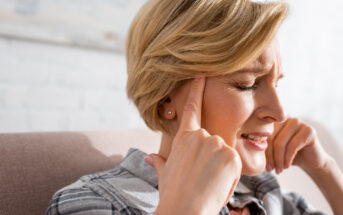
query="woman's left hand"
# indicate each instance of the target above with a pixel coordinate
(294, 142)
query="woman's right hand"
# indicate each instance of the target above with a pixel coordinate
(201, 171)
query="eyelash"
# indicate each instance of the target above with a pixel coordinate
(246, 88)
(250, 88)
(240, 86)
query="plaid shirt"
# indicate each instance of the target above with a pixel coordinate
(131, 188)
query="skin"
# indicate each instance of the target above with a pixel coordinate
(208, 117)
(229, 112)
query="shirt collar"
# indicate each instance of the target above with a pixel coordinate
(134, 163)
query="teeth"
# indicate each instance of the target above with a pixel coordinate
(264, 138)
(256, 138)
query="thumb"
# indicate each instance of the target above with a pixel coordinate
(235, 182)
(157, 162)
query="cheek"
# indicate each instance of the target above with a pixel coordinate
(225, 112)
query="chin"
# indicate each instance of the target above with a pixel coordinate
(253, 161)
(253, 165)
(252, 171)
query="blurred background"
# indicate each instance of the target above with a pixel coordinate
(62, 64)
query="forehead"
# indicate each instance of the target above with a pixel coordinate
(268, 60)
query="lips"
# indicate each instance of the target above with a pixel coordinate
(257, 141)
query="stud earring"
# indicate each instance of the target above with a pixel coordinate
(170, 112)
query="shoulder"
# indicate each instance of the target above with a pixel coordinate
(274, 199)
(99, 193)
(294, 201)
(78, 200)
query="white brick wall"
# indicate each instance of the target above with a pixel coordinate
(45, 87)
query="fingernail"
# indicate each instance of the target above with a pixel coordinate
(148, 159)
(269, 168)
(277, 170)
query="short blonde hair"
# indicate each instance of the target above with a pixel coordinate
(170, 41)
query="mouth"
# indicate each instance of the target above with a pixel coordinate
(256, 141)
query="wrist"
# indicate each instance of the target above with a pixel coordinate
(322, 170)
(329, 179)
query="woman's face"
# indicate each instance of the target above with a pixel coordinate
(243, 106)
(246, 103)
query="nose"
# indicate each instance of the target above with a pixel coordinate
(269, 107)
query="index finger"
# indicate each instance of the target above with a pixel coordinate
(191, 116)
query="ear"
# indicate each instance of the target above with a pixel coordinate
(167, 109)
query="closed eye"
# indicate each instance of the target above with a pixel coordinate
(242, 87)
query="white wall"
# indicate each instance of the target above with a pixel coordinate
(311, 46)
(45, 87)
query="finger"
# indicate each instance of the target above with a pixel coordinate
(299, 141)
(280, 142)
(235, 182)
(278, 126)
(270, 165)
(157, 162)
(191, 116)
(270, 156)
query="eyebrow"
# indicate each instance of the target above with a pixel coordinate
(259, 68)
(259, 71)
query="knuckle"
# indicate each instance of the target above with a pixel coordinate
(216, 141)
(202, 132)
(308, 130)
(295, 121)
(292, 147)
(190, 106)
(235, 159)
(235, 156)
(217, 138)
(231, 155)
(198, 136)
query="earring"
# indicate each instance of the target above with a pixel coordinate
(170, 113)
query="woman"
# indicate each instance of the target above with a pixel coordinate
(205, 73)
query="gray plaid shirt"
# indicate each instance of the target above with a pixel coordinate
(131, 188)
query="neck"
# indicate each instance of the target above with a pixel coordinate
(166, 144)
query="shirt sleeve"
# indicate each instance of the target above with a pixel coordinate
(80, 201)
(293, 202)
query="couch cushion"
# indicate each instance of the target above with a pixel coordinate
(35, 165)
